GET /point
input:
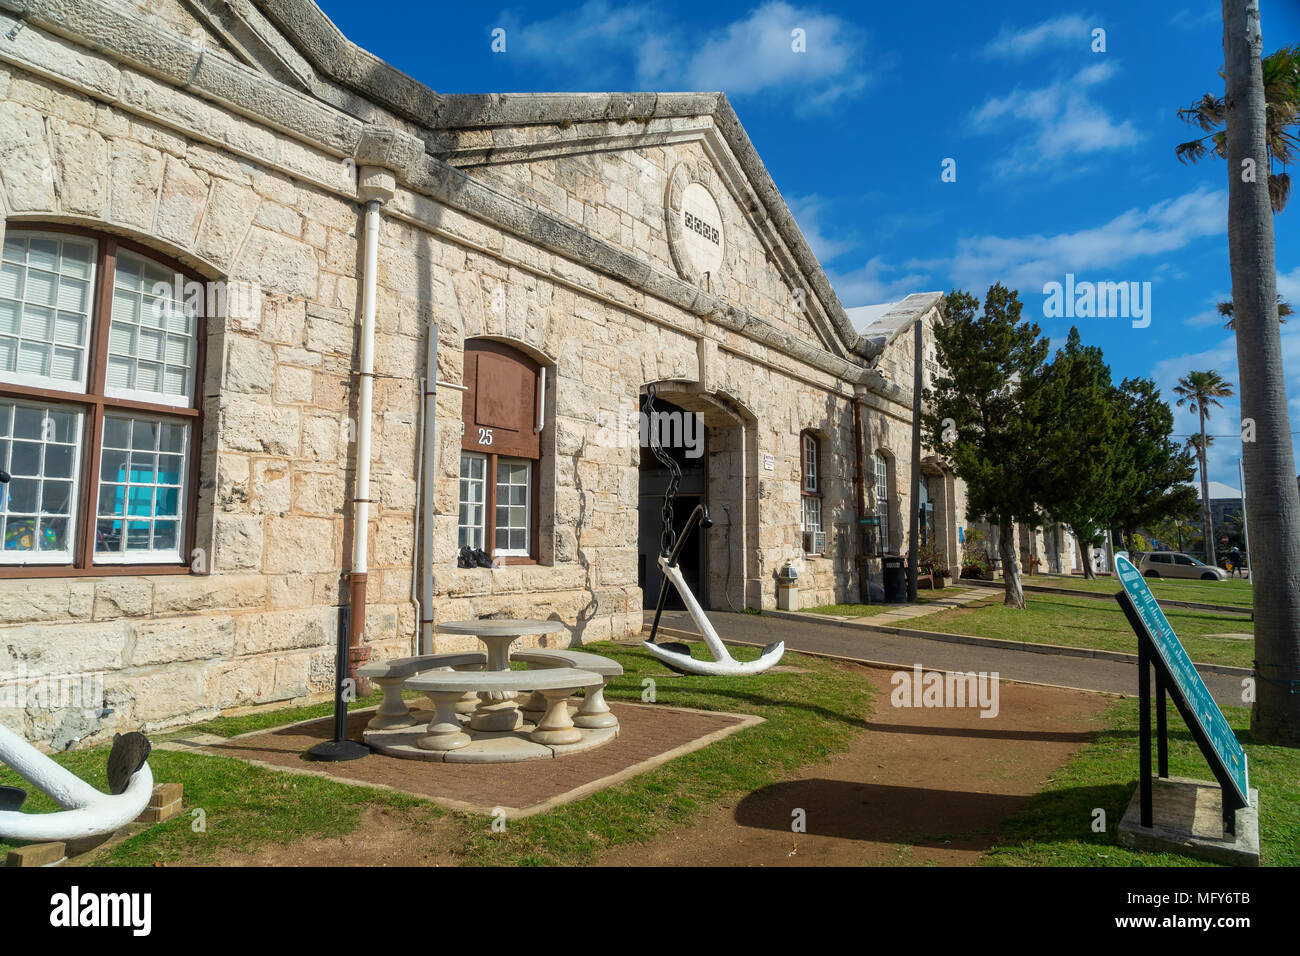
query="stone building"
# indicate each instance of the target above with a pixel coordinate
(203, 481)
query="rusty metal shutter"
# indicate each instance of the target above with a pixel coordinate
(499, 405)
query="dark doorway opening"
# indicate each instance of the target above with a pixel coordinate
(690, 492)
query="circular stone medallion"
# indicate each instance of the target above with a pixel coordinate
(702, 236)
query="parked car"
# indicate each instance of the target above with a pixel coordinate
(1175, 564)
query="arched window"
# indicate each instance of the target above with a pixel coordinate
(882, 500)
(814, 538)
(100, 364)
(500, 452)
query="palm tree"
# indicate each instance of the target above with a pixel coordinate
(1269, 461)
(1225, 309)
(1281, 76)
(1200, 391)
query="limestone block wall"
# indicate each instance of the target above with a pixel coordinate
(90, 141)
(619, 195)
(275, 470)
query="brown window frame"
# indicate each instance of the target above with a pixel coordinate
(94, 403)
(526, 439)
(490, 506)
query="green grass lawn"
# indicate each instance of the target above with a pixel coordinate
(867, 610)
(1055, 827)
(811, 714)
(1235, 592)
(1087, 622)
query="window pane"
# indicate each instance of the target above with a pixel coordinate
(472, 489)
(512, 514)
(140, 490)
(45, 291)
(37, 505)
(148, 304)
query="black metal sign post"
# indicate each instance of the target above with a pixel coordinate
(340, 748)
(1148, 660)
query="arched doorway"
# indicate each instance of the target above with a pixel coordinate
(711, 440)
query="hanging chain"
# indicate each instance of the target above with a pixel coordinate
(667, 537)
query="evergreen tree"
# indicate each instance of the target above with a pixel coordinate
(1156, 488)
(976, 416)
(1084, 430)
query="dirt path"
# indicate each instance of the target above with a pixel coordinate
(920, 786)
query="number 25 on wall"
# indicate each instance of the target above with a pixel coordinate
(485, 436)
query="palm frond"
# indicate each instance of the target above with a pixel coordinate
(1279, 190)
(1191, 151)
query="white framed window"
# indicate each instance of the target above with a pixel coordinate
(473, 500)
(809, 463)
(514, 505)
(151, 338)
(814, 539)
(40, 447)
(47, 281)
(139, 512)
(882, 499)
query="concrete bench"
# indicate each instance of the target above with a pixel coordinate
(446, 687)
(392, 675)
(594, 712)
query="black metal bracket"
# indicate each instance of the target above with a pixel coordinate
(1149, 660)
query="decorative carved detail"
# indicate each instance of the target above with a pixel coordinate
(683, 175)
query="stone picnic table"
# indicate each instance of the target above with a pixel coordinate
(498, 710)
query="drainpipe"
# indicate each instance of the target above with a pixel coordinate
(375, 186)
(864, 581)
(430, 455)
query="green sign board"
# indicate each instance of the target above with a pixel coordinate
(1210, 720)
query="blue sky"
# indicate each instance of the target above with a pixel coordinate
(1064, 156)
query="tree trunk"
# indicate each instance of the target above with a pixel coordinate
(1014, 595)
(1207, 521)
(1270, 464)
(914, 489)
(1089, 562)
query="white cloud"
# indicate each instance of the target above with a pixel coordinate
(870, 286)
(1204, 320)
(597, 44)
(1063, 122)
(755, 54)
(1059, 31)
(1288, 286)
(1209, 15)
(807, 211)
(1225, 421)
(1026, 262)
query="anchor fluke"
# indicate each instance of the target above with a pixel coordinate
(129, 753)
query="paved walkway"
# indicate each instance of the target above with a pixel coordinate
(899, 613)
(871, 646)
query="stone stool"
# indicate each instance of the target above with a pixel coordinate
(444, 732)
(391, 676)
(594, 713)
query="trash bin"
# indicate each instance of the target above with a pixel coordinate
(895, 579)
